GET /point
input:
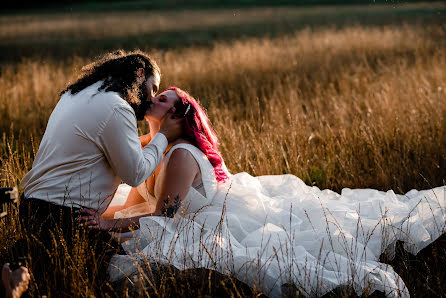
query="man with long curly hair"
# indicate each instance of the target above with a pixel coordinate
(90, 145)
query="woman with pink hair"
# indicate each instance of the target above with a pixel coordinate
(267, 231)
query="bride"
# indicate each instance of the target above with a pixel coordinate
(267, 231)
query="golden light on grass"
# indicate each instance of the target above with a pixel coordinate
(357, 107)
(350, 107)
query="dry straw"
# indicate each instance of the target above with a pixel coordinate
(355, 107)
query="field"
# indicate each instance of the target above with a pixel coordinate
(348, 96)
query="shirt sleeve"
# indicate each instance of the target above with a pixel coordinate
(119, 142)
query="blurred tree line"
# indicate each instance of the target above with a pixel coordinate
(166, 4)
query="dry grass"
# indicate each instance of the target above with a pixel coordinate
(86, 25)
(59, 35)
(357, 107)
(353, 107)
(117, 24)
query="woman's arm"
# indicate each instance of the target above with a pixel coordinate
(133, 198)
(180, 173)
(145, 139)
(92, 219)
(176, 182)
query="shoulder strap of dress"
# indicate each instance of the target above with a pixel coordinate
(206, 168)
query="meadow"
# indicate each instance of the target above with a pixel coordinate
(338, 96)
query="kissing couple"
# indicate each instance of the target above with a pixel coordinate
(168, 197)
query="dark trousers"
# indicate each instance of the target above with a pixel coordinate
(65, 258)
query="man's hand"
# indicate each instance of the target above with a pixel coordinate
(172, 127)
(92, 219)
(15, 282)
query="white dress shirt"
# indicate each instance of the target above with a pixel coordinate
(90, 145)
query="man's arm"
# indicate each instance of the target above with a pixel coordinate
(122, 148)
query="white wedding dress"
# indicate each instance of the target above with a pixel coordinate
(271, 230)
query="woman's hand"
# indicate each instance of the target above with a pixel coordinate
(93, 220)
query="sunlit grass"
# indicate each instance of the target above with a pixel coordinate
(351, 107)
(357, 107)
(62, 34)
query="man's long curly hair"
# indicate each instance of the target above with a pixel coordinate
(117, 70)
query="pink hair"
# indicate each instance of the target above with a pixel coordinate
(199, 130)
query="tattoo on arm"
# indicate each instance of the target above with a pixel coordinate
(199, 186)
(169, 210)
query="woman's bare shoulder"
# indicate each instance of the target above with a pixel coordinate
(181, 158)
(178, 174)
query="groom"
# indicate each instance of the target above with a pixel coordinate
(90, 145)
